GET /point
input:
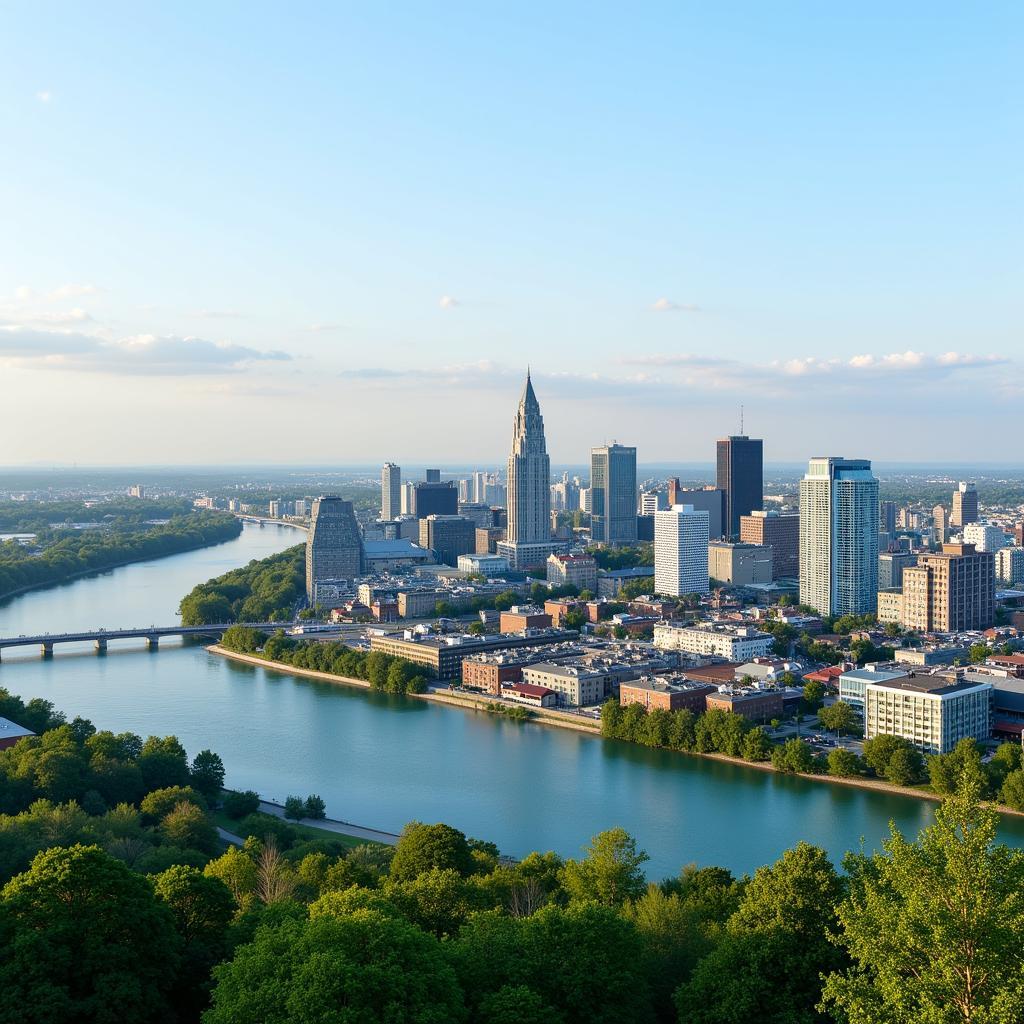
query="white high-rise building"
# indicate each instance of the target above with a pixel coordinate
(407, 498)
(651, 502)
(984, 537)
(681, 536)
(1010, 566)
(839, 537)
(390, 491)
(528, 534)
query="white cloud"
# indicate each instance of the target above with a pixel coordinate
(448, 302)
(664, 305)
(143, 354)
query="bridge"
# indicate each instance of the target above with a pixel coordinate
(151, 634)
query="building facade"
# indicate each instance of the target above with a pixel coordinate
(950, 591)
(448, 537)
(681, 551)
(613, 494)
(779, 532)
(390, 491)
(578, 571)
(433, 498)
(890, 568)
(334, 548)
(722, 640)
(984, 537)
(740, 471)
(839, 537)
(965, 504)
(739, 564)
(1010, 566)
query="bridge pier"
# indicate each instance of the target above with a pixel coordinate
(152, 643)
(101, 645)
(47, 648)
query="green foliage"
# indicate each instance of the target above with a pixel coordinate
(162, 801)
(240, 805)
(934, 928)
(85, 939)
(262, 591)
(207, 774)
(426, 847)
(839, 717)
(1012, 791)
(126, 537)
(894, 759)
(844, 764)
(814, 695)
(315, 807)
(946, 770)
(361, 968)
(294, 808)
(793, 756)
(610, 873)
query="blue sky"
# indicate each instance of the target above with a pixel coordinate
(337, 233)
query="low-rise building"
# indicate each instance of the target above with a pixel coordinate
(931, 712)
(485, 565)
(487, 539)
(611, 581)
(490, 671)
(11, 732)
(758, 705)
(576, 685)
(667, 693)
(739, 564)
(393, 555)
(930, 655)
(578, 571)
(853, 683)
(723, 640)
(530, 694)
(523, 616)
(559, 607)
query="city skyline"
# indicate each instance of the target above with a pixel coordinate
(318, 242)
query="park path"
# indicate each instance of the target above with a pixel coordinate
(331, 825)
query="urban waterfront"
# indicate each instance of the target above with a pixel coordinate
(382, 760)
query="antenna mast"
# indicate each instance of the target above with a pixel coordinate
(741, 421)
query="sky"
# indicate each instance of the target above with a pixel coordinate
(337, 233)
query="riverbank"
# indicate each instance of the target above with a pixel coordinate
(99, 570)
(566, 720)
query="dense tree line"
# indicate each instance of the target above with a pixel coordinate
(265, 590)
(383, 672)
(67, 553)
(441, 929)
(40, 517)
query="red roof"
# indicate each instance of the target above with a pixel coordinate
(1004, 726)
(827, 674)
(530, 689)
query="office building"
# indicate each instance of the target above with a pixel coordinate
(739, 564)
(965, 504)
(671, 694)
(940, 524)
(853, 684)
(408, 498)
(740, 464)
(432, 498)
(448, 537)
(890, 568)
(137, 491)
(613, 494)
(579, 571)
(301, 507)
(432, 476)
(528, 533)
(390, 491)
(887, 517)
(703, 499)
(651, 502)
(984, 537)
(484, 565)
(274, 509)
(1010, 566)
(334, 548)
(681, 551)
(839, 537)
(487, 539)
(779, 532)
(946, 592)
(932, 712)
(478, 511)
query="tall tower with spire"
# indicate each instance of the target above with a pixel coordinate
(529, 474)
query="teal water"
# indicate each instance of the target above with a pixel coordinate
(383, 760)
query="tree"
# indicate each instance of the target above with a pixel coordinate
(1012, 792)
(814, 695)
(610, 873)
(935, 927)
(362, 968)
(315, 807)
(84, 938)
(516, 1004)
(844, 763)
(189, 827)
(237, 870)
(207, 774)
(946, 770)
(203, 908)
(793, 756)
(756, 746)
(893, 758)
(422, 847)
(163, 762)
(161, 802)
(239, 805)
(838, 718)
(904, 766)
(294, 808)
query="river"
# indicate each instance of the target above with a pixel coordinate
(382, 760)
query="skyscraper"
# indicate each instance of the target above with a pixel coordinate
(741, 477)
(334, 548)
(681, 551)
(528, 538)
(941, 521)
(390, 491)
(965, 504)
(887, 517)
(839, 537)
(613, 494)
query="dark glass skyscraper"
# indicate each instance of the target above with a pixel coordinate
(741, 478)
(613, 494)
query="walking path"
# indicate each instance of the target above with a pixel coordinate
(331, 825)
